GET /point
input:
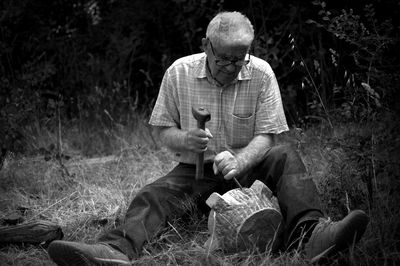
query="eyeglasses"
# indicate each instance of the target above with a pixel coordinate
(226, 62)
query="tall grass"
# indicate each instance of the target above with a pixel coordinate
(93, 194)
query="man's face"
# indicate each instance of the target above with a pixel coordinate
(225, 59)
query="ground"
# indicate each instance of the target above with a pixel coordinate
(355, 166)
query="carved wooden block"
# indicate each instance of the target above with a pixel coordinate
(243, 219)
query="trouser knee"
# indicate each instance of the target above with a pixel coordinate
(287, 158)
(278, 161)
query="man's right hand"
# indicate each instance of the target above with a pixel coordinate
(197, 139)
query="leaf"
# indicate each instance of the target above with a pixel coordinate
(372, 93)
(310, 21)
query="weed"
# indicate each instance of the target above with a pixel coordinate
(95, 196)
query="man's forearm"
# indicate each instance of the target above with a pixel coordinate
(172, 137)
(254, 152)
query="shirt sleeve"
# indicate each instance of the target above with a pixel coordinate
(165, 111)
(270, 117)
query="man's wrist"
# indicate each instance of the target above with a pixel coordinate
(185, 139)
(241, 165)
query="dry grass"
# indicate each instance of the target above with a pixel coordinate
(95, 195)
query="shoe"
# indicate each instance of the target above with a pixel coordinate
(330, 237)
(65, 253)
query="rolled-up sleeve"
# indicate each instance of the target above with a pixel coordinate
(165, 111)
(270, 116)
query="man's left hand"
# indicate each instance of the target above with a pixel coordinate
(227, 164)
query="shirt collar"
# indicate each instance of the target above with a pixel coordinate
(201, 69)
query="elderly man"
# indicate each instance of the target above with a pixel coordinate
(242, 95)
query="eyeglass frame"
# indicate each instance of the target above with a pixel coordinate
(241, 62)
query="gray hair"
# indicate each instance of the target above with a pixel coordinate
(230, 26)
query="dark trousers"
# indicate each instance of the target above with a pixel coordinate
(282, 170)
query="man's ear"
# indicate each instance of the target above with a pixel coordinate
(204, 43)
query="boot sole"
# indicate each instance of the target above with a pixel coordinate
(70, 254)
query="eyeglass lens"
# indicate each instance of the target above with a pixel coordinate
(225, 62)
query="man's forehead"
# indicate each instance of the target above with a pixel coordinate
(231, 49)
(234, 42)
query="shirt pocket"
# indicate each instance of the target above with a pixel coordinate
(240, 130)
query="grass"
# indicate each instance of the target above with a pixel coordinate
(95, 193)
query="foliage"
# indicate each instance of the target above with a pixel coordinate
(100, 64)
(104, 60)
(358, 62)
(95, 196)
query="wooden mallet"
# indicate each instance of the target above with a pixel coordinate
(202, 115)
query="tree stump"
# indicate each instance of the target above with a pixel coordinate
(37, 232)
(243, 219)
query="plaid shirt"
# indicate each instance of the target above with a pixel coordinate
(250, 105)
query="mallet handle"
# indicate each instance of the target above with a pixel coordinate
(202, 115)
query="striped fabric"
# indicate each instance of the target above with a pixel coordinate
(250, 105)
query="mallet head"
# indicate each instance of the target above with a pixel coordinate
(202, 115)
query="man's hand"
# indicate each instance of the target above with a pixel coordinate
(227, 164)
(197, 140)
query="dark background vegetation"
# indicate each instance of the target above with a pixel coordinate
(78, 79)
(101, 62)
